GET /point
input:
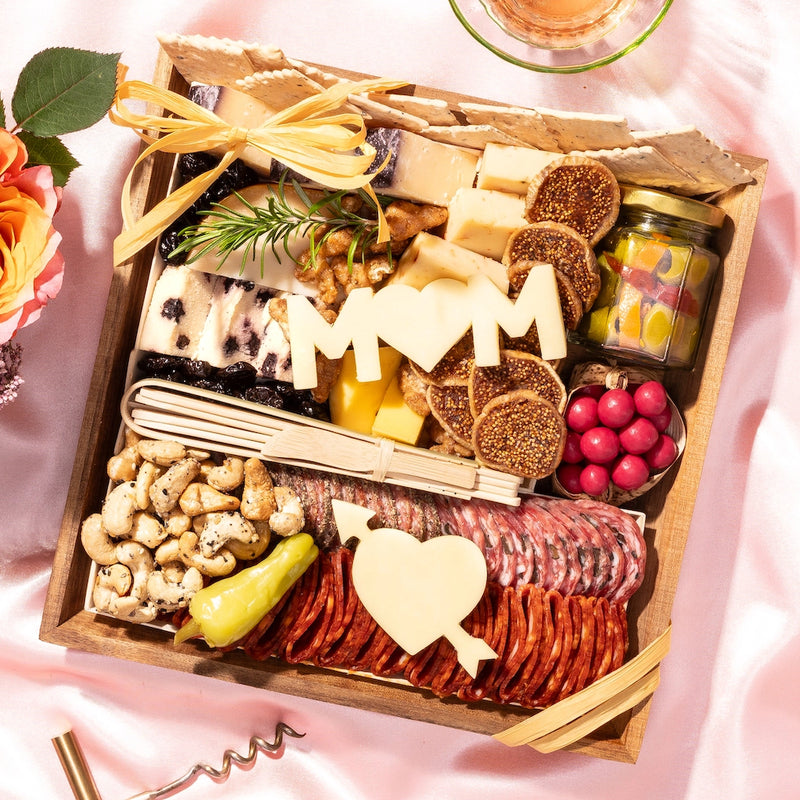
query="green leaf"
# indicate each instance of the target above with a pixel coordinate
(61, 90)
(52, 153)
(2, 113)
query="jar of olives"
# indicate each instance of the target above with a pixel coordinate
(657, 268)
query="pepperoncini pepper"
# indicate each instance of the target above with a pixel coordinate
(225, 611)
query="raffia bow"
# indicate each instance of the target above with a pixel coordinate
(331, 150)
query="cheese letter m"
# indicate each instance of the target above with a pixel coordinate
(424, 324)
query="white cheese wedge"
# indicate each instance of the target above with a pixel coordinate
(177, 312)
(430, 257)
(260, 264)
(420, 169)
(511, 168)
(481, 220)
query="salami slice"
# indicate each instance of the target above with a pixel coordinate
(552, 683)
(530, 598)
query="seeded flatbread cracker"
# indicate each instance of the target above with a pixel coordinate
(574, 130)
(380, 115)
(525, 124)
(279, 88)
(207, 59)
(433, 110)
(692, 151)
(642, 165)
(475, 137)
(325, 79)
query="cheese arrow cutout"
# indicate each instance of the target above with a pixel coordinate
(416, 591)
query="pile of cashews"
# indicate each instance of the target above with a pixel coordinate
(175, 517)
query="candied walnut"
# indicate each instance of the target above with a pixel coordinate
(406, 220)
(328, 371)
(318, 270)
(441, 442)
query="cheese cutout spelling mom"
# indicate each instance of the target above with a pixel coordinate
(416, 591)
(423, 324)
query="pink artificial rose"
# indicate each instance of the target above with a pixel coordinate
(31, 266)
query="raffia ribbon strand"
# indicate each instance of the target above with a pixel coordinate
(331, 150)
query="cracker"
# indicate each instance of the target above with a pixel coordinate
(381, 115)
(688, 148)
(475, 137)
(525, 124)
(642, 165)
(279, 88)
(325, 79)
(574, 130)
(207, 59)
(431, 109)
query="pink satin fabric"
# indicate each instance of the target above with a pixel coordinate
(726, 720)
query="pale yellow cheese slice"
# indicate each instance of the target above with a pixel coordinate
(511, 168)
(481, 220)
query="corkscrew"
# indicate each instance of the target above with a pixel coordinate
(84, 787)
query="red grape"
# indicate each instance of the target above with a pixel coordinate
(594, 479)
(600, 445)
(630, 472)
(615, 408)
(572, 448)
(662, 453)
(639, 436)
(582, 413)
(569, 476)
(662, 420)
(650, 398)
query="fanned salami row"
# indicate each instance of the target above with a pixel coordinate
(548, 646)
(582, 547)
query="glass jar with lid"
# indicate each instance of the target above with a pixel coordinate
(657, 268)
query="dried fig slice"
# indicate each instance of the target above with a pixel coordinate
(575, 191)
(571, 302)
(451, 407)
(520, 433)
(453, 369)
(563, 247)
(516, 370)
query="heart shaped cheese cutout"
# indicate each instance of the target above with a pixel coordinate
(423, 324)
(416, 591)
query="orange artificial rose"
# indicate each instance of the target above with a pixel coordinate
(31, 266)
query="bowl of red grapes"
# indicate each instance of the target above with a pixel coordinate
(624, 433)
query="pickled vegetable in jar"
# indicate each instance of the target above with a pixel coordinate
(657, 269)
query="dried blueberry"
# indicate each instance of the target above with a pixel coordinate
(193, 369)
(266, 395)
(241, 374)
(190, 165)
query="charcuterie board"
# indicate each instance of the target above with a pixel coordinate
(667, 508)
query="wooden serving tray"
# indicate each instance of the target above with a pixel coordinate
(668, 507)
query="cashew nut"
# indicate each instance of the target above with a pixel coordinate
(149, 472)
(199, 498)
(176, 522)
(96, 541)
(222, 527)
(112, 582)
(250, 550)
(222, 563)
(166, 491)
(168, 551)
(227, 476)
(118, 509)
(147, 530)
(258, 496)
(170, 595)
(135, 606)
(161, 452)
(124, 465)
(290, 517)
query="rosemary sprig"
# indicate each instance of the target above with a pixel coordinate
(255, 228)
